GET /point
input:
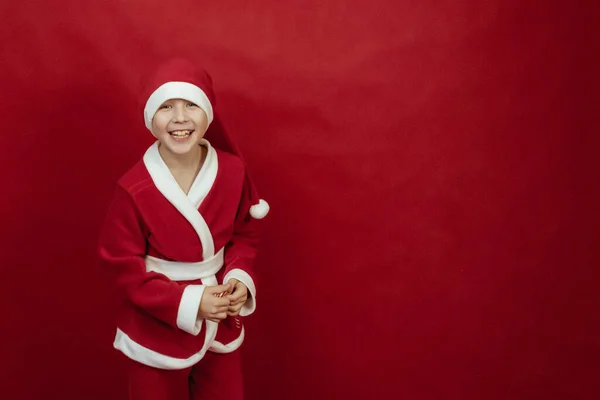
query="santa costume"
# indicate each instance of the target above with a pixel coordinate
(165, 247)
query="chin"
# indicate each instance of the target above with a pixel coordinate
(182, 148)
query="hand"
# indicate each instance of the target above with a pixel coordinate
(214, 306)
(237, 298)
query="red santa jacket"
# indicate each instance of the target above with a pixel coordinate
(164, 247)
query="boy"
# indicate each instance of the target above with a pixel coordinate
(181, 239)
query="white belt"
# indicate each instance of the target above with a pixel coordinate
(182, 271)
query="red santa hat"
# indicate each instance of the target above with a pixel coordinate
(179, 79)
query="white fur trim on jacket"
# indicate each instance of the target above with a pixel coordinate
(218, 347)
(146, 356)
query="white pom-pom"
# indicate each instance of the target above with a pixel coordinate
(260, 210)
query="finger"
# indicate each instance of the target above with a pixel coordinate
(240, 300)
(216, 317)
(235, 308)
(224, 301)
(238, 294)
(233, 313)
(214, 308)
(233, 298)
(233, 282)
(217, 309)
(238, 304)
(222, 294)
(239, 286)
(220, 301)
(219, 288)
(220, 315)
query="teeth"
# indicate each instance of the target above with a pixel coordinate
(180, 133)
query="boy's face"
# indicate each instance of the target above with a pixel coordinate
(179, 125)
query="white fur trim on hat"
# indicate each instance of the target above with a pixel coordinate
(260, 210)
(176, 90)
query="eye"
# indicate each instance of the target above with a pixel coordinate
(165, 106)
(190, 104)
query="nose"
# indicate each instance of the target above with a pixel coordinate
(180, 114)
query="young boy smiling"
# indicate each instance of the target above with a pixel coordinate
(181, 238)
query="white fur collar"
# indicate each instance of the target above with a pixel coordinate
(188, 204)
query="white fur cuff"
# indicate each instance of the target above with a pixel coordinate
(187, 315)
(242, 276)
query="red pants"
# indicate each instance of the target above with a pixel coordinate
(216, 376)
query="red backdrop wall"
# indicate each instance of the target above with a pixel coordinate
(429, 167)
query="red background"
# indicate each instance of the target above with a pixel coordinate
(428, 164)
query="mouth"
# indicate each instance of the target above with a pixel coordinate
(181, 135)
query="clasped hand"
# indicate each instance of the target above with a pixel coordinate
(220, 301)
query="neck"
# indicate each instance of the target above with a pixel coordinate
(190, 160)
